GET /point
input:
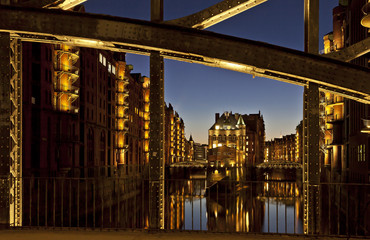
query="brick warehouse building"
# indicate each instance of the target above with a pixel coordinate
(345, 139)
(83, 111)
(236, 140)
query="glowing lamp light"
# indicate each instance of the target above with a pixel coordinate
(87, 42)
(366, 128)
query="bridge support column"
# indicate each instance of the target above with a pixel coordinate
(311, 128)
(156, 142)
(10, 131)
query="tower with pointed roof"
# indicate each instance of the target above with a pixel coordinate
(236, 140)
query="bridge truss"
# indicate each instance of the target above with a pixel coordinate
(180, 42)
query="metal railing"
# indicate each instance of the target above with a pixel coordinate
(191, 204)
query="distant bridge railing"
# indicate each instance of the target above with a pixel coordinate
(280, 164)
(190, 204)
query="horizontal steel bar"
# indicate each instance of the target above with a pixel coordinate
(212, 49)
(215, 14)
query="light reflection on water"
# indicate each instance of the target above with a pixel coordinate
(274, 207)
(196, 210)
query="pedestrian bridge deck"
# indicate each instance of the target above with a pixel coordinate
(46, 234)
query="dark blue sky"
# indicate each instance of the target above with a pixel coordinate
(197, 92)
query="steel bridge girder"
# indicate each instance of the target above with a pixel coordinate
(212, 49)
(215, 14)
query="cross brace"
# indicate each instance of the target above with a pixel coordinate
(212, 49)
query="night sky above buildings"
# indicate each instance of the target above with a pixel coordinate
(197, 92)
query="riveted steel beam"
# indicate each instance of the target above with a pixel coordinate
(215, 14)
(212, 49)
(56, 4)
(311, 132)
(10, 130)
(156, 126)
(5, 124)
(352, 52)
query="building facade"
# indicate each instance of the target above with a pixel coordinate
(84, 112)
(345, 142)
(175, 141)
(239, 139)
(283, 149)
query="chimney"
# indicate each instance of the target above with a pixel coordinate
(217, 116)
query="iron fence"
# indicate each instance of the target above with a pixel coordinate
(190, 204)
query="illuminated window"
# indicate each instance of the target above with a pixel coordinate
(217, 127)
(220, 144)
(100, 58)
(113, 69)
(104, 61)
(109, 67)
(214, 145)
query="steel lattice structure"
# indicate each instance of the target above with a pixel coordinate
(164, 40)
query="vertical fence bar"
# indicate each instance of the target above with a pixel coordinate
(54, 208)
(277, 217)
(183, 199)
(285, 191)
(30, 208)
(142, 200)
(192, 209)
(268, 213)
(110, 203)
(200, 207)
(102, 204)
(347, 210)
(294, 210)
(46, 202)
(93, 183)
(78, 203)
(286, 231)
(62, 202)
(86, 203)
(118, 202)
(70, 202)
(329, 204)
(226, 227)
(135, 202)
(38, 202)
(217, 205)
(126, 198)
(338, 211)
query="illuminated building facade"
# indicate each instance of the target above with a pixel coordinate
(189, 149)
(236, 140)
(200, 151)
(345, 143)
(135, 138)
(84, 112)
(345, 137)
(281, 149)
(255, 138)
(175, 141)
(299, 142)
(51, 103)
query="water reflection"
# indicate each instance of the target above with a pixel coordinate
(203, 204)
(230, 206)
